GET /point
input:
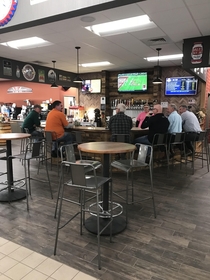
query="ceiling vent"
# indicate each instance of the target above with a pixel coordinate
(157, 41)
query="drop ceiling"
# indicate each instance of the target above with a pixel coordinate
(175, 20)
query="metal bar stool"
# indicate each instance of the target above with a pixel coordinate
(34, 150)
(83, 182)
(145, 155)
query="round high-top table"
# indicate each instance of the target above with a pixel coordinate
(106, 149)
(12, 194)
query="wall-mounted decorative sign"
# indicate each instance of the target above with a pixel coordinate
(64, 78)
(18, 89)
(41, 76)
(51, 76)
(7, 68)
(28, 72)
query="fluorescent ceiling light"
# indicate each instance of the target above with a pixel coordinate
(164, 57)
(122, 26)
(95, 64)
(33, 2)
(27, 43)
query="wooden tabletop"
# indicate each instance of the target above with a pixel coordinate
(14, 136)
(106, 147)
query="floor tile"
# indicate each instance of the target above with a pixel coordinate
(20, 254)
(64, 273)
(34, 260)
(35, 275)
(2, 255)
(48, 266)
(18, 271)
(3, 277)
(6, 263)
(8, 248)
(83, 276)
(3, 241)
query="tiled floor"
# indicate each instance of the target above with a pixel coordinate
(18, 262)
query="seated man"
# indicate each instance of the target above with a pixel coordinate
(32, 121)
(120, 123)
(157, 123)
(56, 121)
(175, 121)
(191, 125)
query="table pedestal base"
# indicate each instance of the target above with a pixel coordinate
(16, 194)
(118, 225)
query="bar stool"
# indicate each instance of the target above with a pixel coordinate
(201, 152)
(82, 182)
(34, 150)
(145, 156)
(68, 154)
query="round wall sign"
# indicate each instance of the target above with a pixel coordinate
(28, 72)
(7, 10)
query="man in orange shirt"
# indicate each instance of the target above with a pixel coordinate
(56, 121)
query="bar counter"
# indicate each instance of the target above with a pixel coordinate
(100, 134)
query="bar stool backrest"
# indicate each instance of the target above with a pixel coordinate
(177, 138)
(145, 151)
(69, 152)
(201, 135)
(124, 138)
(159, 139)
(78, 175)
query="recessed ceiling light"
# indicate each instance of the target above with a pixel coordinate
(122, 26)
(87, 19)
(95, 64)
(27, 43)
(164, 57)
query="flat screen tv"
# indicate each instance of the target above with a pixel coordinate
(91, 86)
(181, 86)
(132, 82)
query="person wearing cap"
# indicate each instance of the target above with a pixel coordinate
(32, 121)
(120, 123)
(140, 118)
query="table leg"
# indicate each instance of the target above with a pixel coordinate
(11, 194)
(119, 223)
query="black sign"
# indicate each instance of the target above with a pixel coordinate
(196, 52)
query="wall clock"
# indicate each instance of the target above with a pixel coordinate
(7, 10)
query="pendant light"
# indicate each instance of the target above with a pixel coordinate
(78, 79)
(157, 80)
(54, 84)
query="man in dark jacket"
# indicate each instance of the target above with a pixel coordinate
(32, 121)
(157, 123)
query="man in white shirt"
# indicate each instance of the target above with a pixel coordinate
(190, 125)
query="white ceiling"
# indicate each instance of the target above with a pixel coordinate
(175, 19)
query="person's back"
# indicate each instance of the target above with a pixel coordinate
(190, 122)
(120, 123)
(175, 120)
(33, 119)
(157, 123)
(56, 121)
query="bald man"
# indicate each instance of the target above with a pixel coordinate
(157, 123)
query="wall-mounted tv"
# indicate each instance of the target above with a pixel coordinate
(91, 86)
(132, 82)
(181, 86)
